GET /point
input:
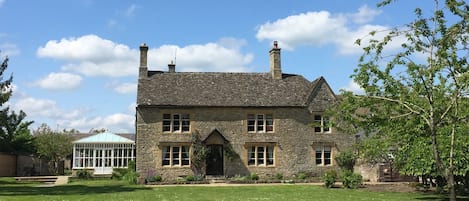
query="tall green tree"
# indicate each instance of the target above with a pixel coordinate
(52, 146)
(15, 137)
(417, 98)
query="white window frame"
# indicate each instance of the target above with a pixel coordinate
(260, 123)
(261, 155)
(323, 151)
(175, 159)
(321, 124)
(178, 123)
(87, 156)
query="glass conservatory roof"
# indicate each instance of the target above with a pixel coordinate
(104, 138)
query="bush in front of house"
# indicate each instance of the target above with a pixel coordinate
(351, 180)
(329, 178)
(254, 176)
(83, 174)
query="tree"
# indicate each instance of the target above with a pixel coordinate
(15, 137)
(52, 146)
(420, 106)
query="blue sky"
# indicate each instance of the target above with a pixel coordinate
(75, 63)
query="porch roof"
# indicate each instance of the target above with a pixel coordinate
(105, 137)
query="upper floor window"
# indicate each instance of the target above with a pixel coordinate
(175, 156)
(321, 124)
(261, 155)
(260, 123)
(323, 155)
(176, 122)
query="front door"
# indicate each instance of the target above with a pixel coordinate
(214, 160)
(103, 161)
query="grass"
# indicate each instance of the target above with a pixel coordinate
(116, 190)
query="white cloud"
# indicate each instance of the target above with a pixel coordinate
(119, 123)
(9, 49)
(125, 88)
(212, 57)
(130, 11)
(92, 56)
(60, 81)
(34, 107)
(324, 28)
(364, 15)
(354, 87)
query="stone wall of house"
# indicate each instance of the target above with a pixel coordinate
(293, 137)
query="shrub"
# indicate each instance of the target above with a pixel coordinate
(254, 176)
(83, 174)
(189, 178)
(351, 180)
(346, 160)
(131, 177)
(301, 176)
(279, 176)
(118, 173)
(156, 178)
(329, 178)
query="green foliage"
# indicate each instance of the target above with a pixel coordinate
(15, 137)
(254, 176)
(83, 174)
(279, 176)
(199, 154)
(52, 146)
(351, 180)
(329, 178)
(418, 106)
(118, 173)
(301, 176)
(130, 177)
(346, 160)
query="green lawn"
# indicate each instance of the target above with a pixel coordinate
(114, 190)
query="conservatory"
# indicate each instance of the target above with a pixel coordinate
(102, 152)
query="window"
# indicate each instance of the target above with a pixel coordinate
(102, 155)
(175, 156)
(261, 156)
(323, 155)
(321, 124)
(176, 123)
(260, 123)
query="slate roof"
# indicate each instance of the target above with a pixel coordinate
(224, 89)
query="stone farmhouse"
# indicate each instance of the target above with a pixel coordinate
(264, 123)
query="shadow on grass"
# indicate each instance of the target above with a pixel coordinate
(440, 197)
(66, 190)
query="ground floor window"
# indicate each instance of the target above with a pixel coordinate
(323, 155)
(261, 155)
(175, 156)
(102, 155)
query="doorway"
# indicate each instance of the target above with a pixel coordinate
(214, 160)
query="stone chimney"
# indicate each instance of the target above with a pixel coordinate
(143, 69)
(172, 67)
(275, 68)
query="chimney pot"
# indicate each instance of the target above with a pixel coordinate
(172, 67)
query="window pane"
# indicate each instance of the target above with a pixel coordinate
(176, 123)
(260, 122)
(251, 122)
(252, 156)
(185, 122)
(318, 155)
(269, 121)
(317, 123)
(166, 155)
(327, 155)
(260, 155)
(166, 122)
(185, 155)
(270, 155)
(176, 156)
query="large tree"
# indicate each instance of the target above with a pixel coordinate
(416, 99)
(52, 146)
(15, 137)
